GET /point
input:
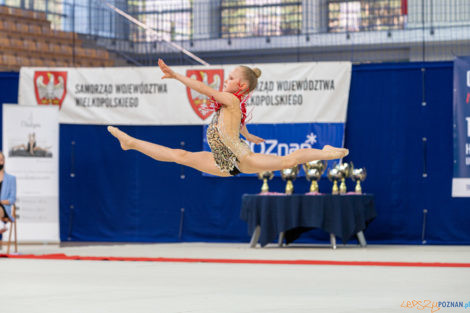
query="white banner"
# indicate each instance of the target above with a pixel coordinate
(286, 93)
(461, 136)
(30, 145)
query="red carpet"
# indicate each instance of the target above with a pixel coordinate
(236, 261)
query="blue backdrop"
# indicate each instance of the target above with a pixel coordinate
(110, 195)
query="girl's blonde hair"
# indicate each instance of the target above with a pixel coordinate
(251, 75)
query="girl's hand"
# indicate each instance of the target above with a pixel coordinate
(167, 71)
(254, 139)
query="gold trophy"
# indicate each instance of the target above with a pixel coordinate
(334, 175)
(290, 174)
(346, 169)
(265, 176)
(313, 172)
(358, 175)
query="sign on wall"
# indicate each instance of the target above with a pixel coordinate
(30, 146)
(461, 180)
(286, 93)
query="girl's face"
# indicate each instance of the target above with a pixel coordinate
(235, 81)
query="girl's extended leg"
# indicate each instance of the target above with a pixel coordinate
(202, 161)
(256, 162)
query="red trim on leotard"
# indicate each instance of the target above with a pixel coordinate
(216, 106)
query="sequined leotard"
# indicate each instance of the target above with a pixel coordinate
(226, 148)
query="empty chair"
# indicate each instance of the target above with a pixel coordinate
(65, 36)
(11, 61)
(17, 12)
(91, 53)
(62, 62)
(82, 62)
(55, 48)
(4, 43)
(49, 62)
(9, 26)
(103, 54)
(22, 28)
(24, 61)
(30, 45)
(43, 47)
(28, 14)
(80, 52)
(100, 63)
(46, 30)
(37, 62)
(4, 10)
(35, 30)
(40, 15)
(67, 50)
(16, 44)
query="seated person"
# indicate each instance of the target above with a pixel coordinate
(7, 194)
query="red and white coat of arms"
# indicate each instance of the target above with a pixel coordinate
(199, 102)
(50, 87)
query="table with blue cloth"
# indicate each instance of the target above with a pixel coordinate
(288, 216)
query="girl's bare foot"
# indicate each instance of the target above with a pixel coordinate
(124, 139)
(337, 153)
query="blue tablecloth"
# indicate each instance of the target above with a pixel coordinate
(342, 215)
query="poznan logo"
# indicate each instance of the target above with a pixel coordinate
(199, 102)
(50, 87)
(274, 147)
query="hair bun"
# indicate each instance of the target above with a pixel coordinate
(257, 72)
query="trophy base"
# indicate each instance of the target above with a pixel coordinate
(313, 193)
(271, 193)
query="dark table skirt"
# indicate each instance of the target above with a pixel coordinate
(341, 215)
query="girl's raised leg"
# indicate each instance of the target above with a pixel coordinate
(256, 162)
(202, 161)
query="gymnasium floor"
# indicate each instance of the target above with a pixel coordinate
(234, 278)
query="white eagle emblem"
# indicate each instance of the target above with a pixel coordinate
(50, 87)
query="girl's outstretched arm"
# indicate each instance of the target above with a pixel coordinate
(221, 97)
(250, 137)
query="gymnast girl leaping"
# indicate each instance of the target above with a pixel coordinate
(230, 154)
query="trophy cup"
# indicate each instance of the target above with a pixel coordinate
(334, 175)
(358, 175)
(346, 169)
(265, 176)
(289, 174)
(313, 172)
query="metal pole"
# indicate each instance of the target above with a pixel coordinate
(148, 28)
(423, 233)
(180, 234)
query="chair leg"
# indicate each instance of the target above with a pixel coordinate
(16, 238)
(9, 239)
(3, 235)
